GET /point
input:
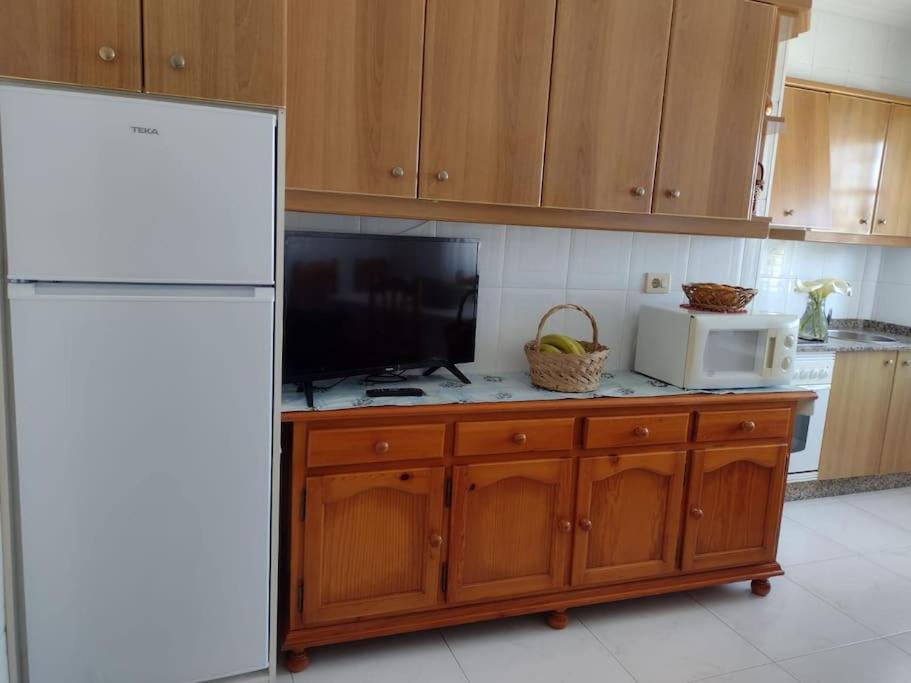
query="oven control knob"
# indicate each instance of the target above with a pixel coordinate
(786, 363)
(789, 341)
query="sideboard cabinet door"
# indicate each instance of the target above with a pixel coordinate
(372, 543)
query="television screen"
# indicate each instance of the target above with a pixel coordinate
(359, 304)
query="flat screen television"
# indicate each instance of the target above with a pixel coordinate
(377, 304)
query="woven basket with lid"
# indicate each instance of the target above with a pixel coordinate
(562, 371)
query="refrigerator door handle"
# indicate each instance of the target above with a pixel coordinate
(84, 291)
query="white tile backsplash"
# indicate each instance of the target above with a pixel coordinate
(599, 259)
(536, 257)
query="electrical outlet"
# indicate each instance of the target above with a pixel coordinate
(657, 283)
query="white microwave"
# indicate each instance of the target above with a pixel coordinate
(696, 350)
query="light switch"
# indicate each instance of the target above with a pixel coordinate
(657, 283)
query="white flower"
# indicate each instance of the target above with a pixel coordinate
(824, 287)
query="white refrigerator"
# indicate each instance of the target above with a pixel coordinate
(140, 241)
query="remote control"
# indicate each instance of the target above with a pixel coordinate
(379, 393)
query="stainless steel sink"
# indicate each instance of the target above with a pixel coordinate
(853, 335)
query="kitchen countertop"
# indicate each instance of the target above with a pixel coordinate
(498, 388)
(901, 334)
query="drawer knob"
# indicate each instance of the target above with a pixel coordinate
(436, 541)
(177, 61)
(673, 194)
(639, 191)
(697, 513)
(381, 447)
(398, 172)
(585, 524)
(106, 53)
(520, 439)
(565, 526)
(641, 432)
(748, 426)
(443, 176)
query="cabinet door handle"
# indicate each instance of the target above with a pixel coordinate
(443, 176)
(520, 439)
(585, 524)
(642, 432)
(177, 61)
(398, 172)
(673, 194)
(890, 363)
(697, 513)
(565, 526)
(748, 426)
(106, 53)
(436, 541)
(863, 221)
(789, 212)
(906, 363)
(639, 191)
(381, 447)
(881, 221)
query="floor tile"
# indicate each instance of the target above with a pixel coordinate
(877, 661)
(770, 673)
(898, 561)
(669, 639)
(398, 659)
(789, 622)
(893, 505)
(798, 544)
(526, 650)
(852, 527)
(902, 640)
(861, 589)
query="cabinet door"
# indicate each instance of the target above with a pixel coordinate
(852, 443)
(88, 42)
(511, 525)
(600, 155)
(800, 185)
(486, 82)
(216, 49)
(893, 209)
(857, 134)
(354, 95)
(717, 78)
(897, 447)
(734, 506)
(372, 543)
(627, 517)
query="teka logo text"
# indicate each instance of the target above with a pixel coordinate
(142, 130)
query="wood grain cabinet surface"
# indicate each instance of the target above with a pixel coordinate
(893, 203)
(216, 49)
(896, 457)
(87, 42)
(721, 53)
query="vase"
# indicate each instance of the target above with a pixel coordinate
(813, 324)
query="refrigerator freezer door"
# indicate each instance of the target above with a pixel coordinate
(105, 188)
(143, 444)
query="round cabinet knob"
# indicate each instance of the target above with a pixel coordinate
(436, 541)
(890, 363)
(906, 363)
(107, 53)
(786, 363)
(443, 176)
(177, 61)
(398, 172)
(881, 221)
(789, 212)
(520, 439)
(565, 526)
(673, 194)
(789, 341)
(381, 447)
(639, 191)
(641, 432)
(863, 221)
(585, 524)
(748, 426)
(697, 513)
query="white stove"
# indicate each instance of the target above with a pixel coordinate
(814, 371)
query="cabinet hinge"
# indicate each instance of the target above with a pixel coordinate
(447, 492)
(303, 510)
(444, 576)
(300, 597)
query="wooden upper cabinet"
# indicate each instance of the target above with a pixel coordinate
(733, 508)
(717, 82)
(627, 517)
(511, 528)
(800, 185)
(216, 49)
(354, 95)
(610, 58)
(373, 543)
(857, 136)
(88, 42)
(896, 456)
(486, 82)
(856, 419)
(893, 204)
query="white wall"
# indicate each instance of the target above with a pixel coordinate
(524, 271)
(893, 292)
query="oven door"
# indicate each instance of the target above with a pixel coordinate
(806, 443)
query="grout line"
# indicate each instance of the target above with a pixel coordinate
(730, 628)
(604, 645)
(749, 668)
(842, 647)
(449, 647)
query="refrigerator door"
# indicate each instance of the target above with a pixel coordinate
(143, 445)
(106, 188)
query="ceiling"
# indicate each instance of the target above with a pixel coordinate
(893, 12)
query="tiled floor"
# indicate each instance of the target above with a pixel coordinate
(842, 614)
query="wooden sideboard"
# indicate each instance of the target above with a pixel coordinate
(403, 519)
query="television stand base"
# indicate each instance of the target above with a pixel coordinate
(452, 368)
(307, 387)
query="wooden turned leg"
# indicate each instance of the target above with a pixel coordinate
(297, 661)
(761, 587)
(558, 620)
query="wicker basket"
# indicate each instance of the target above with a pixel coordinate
(708, 296)
(567, 372)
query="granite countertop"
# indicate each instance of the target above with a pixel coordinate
(902, 336)
(500, 388)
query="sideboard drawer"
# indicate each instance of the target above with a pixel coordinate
(375, 444)
(514, 436)
(743, 424)
(636, 430)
